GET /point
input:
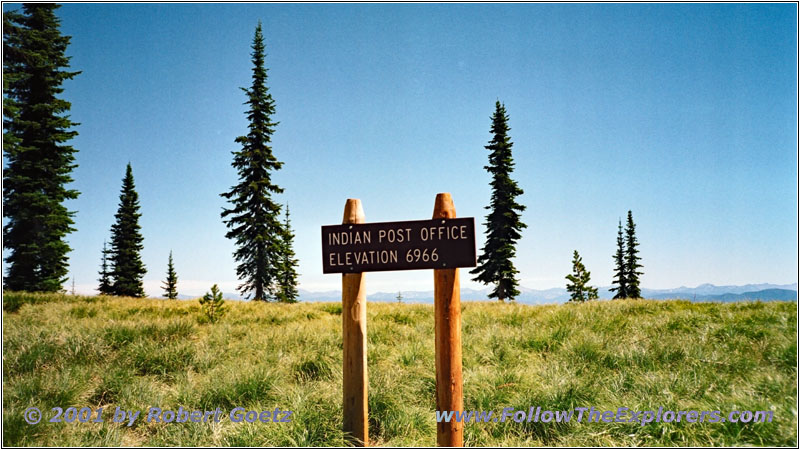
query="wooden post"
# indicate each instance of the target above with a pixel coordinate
(354, 343)
(447, 313)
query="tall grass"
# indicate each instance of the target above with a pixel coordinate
(95, 352)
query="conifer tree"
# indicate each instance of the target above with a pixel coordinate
(170, 286)
(578, 286)
(39, 163)
(105, 280)
(503, 222)
(213, 305)
(632, 259)
(253, 220)
(126, 242)
(620, 277)
(287, 289)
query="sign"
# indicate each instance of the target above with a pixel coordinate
(417, 244)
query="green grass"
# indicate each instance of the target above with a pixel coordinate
(60, 350)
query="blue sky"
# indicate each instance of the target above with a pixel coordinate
(684, 113)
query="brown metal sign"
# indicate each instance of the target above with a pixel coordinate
(416, 244)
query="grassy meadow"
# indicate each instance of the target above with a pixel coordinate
(61, 350)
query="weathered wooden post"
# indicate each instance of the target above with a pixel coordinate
(354, 342)
(447, 313)
(443, 244)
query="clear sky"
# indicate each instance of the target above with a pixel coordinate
(684, 113)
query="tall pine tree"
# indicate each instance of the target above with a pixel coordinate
(578, 285)
(39, 163)
(105, 279)
(170, 286)
(503, 222)
(620, 283)
(253, 220)
(126, 242)
(632, 259)
(287, 281)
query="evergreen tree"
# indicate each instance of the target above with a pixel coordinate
(287, 282)
(213, 305)
(253, 220)
(503, 223)
(620, 276)
(632, 259)
(170, 286)
(578, 286)
(126, 242)
(39, 163)
(105, 280)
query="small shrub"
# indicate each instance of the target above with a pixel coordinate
(213, 305)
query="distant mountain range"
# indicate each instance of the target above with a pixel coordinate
(702, 293)
(764, 294)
